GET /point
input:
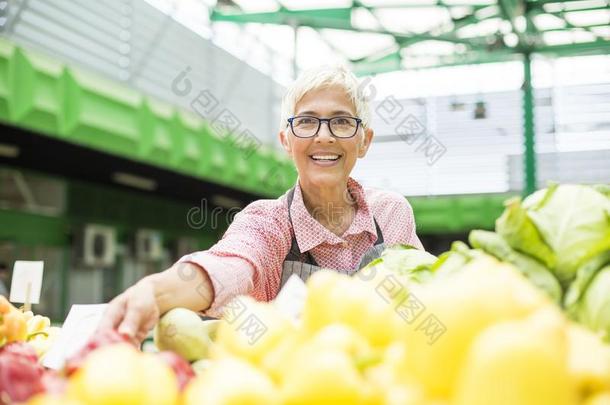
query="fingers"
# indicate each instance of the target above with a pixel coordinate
(114, 313)
(130, 325)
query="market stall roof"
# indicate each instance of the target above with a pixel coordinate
(384, 35)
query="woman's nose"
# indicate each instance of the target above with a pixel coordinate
(324, 133)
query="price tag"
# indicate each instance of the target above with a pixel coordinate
(80, 325)
(291, 298)
(27, 282)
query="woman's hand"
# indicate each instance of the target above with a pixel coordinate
(134, 312)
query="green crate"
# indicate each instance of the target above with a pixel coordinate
(188, 142)
(36, 99)
(6, 56)
(217, 162)
(102, 114)
(157, 133)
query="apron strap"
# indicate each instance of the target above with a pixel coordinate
(295, 254)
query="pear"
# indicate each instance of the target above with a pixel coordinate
(254, 334)
(588, 360)
(182, 331)
(602, 398)
(231, 381)
(521, 362)
(458, 308)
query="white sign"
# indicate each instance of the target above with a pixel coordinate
(27, 280)
(291, 298)
(80, 325)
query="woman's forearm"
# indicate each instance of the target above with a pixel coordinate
(183, 285)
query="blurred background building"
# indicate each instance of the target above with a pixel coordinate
(132, 131)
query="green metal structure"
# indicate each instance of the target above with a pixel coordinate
(519, 15)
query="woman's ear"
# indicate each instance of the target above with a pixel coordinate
(365, 143)
(285, 142)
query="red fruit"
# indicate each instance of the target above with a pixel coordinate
(53, 383)
(181, 367)
(20, 377)
(100, 339)
(21, 349)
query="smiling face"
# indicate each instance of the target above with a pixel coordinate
(323, 160)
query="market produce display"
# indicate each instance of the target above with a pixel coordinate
(17, 325)
(522, 316)
(559, 238)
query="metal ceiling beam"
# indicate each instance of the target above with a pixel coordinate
(336, 18)
(575, 27)
(599, 47)
(388, 63)
(424, 5)
(576, 10)
(339, 18)
(480, 51)
(511, 9)
(541, 2)
(384, 65)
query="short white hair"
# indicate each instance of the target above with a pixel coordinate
(320, 77)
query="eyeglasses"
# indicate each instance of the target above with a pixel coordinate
(340, 127)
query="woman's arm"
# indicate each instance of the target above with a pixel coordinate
(256, 242)
(137, 310)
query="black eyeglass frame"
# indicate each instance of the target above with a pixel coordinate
(327, 120)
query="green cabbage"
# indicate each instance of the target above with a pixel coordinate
(455, 259)
(593, 310)
(406, 260)
(536, 272)
(603, 188)
(584, 275)
(519, 231)
(574, 221)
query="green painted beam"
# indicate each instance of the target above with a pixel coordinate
(388, 63)
(599, 47)
(32, 229)
(336, 19)
(510, 10)
(575, 27)
(470, 58)
(452, 214)
(421, 5)
(529, 133)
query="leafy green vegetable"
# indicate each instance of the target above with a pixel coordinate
(455, 259)
(519, 231)
(408, 261)
(584, 275)
(535, 271)
(603, 188)
(593, 310)
(574, 221)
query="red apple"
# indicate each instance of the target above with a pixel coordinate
(54, 383)
(21, 349)
(100, 339)
(181, 367)
(20, 377)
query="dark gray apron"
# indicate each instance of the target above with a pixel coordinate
(304, 265)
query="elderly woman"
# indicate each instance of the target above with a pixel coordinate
(327, 220)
